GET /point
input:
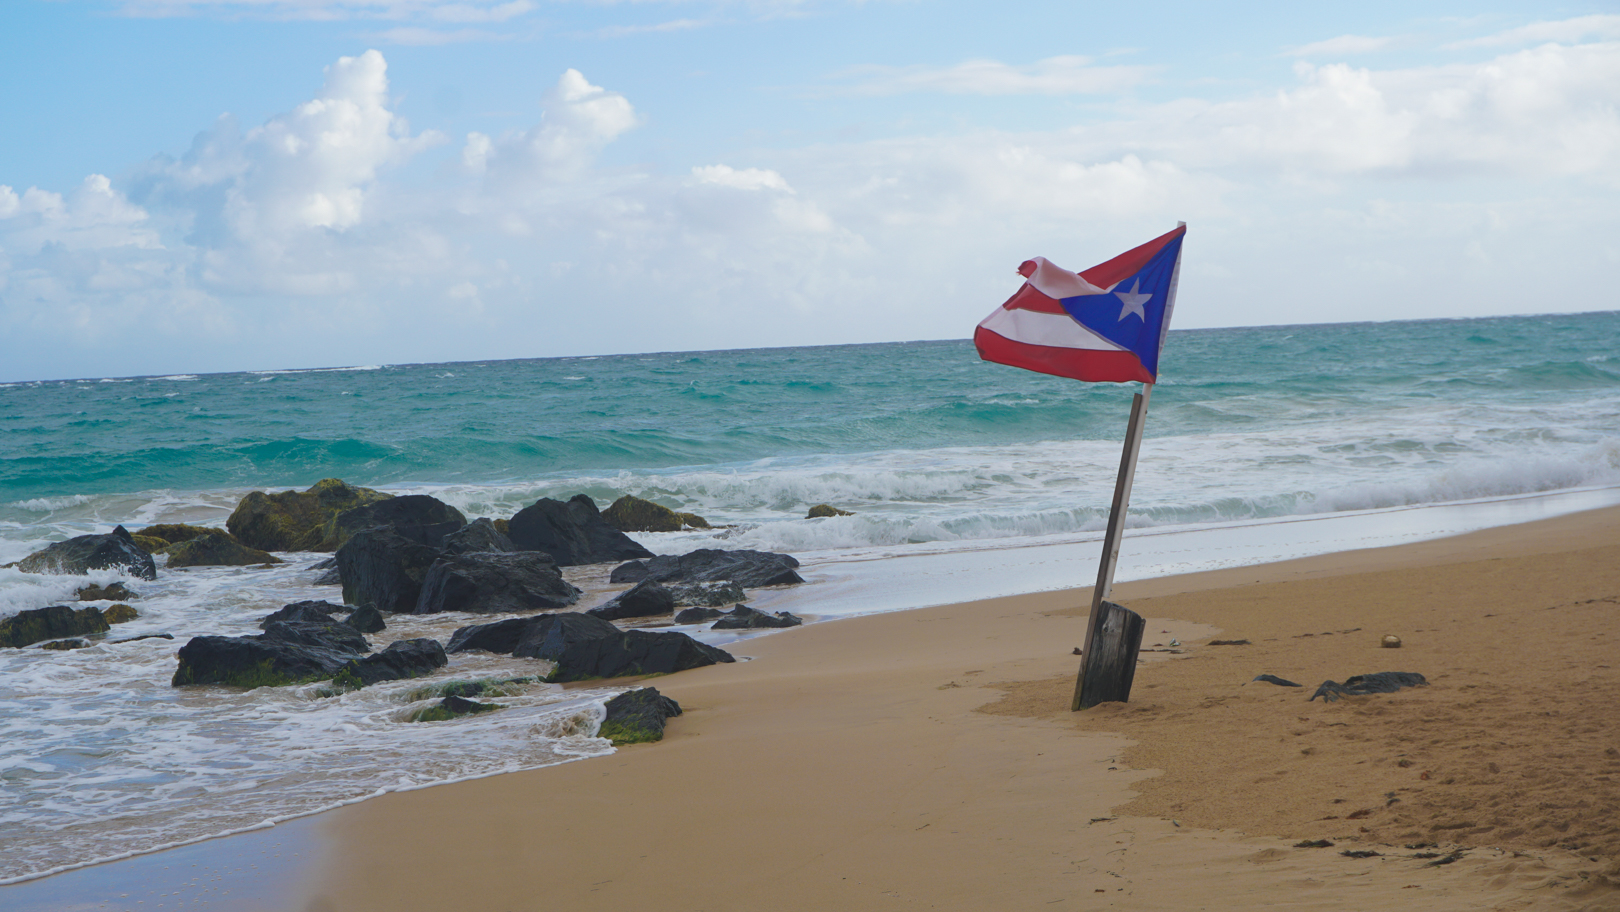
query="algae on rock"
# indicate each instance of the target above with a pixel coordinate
(294, 520)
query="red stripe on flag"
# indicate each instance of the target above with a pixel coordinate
(1027, 298)
(1076, 364)
(1130, 262)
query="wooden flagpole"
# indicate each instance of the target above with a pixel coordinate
(1116, 527)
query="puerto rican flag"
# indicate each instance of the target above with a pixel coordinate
(1105, 324)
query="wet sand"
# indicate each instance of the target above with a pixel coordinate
(926, 759)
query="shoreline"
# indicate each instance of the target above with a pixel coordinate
(877, 696)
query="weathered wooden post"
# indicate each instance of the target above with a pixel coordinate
(1113, 633)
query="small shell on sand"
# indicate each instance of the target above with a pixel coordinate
(1392, 642)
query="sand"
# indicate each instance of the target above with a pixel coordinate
(926, 759)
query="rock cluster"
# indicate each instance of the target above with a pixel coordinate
(584, 647)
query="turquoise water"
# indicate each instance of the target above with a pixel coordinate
(935, 452)
(1247, 422)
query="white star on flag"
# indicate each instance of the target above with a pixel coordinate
(1133, 301)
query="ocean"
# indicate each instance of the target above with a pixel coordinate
(1253, 434)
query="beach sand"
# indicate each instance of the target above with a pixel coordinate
(927, 759)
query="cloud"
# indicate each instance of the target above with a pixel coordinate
(580, 120)
(1342, 46)
(1566, 31)
(746, 179)
(302, 241)
(1542, 111)
(1067, 75)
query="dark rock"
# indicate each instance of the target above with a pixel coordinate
(113, 550)
(329, 575)
(1361, 685)
(822, 510)
(637, 716)
(216, 549)
(402, 659)
(574, 533)
(494, 583)
(632, 514)
(64, 645)
(145, 636)
(416, 517)
(743, 617)
(710, 595)
(53, 623)
(175, 533)
(698, 615)
(112, 592)
(499, 637)
(645, 599)
(306, 611)
(366, 620)
(462, 706)
(319, 633)
(743, 568)
(480, 535)
(384, 570)
(120, 613)
(293, 520)
(586, 647)
(1280, 682)
(288, 652)
(452, 707)
(633, 572)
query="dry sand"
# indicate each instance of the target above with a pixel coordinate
(926, 759)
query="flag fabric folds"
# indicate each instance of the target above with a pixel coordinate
(1105, 324)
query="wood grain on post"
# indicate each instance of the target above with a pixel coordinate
(1110, 660)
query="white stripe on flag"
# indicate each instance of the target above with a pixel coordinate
(1054, 330)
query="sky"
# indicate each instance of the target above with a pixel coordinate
(191, 186)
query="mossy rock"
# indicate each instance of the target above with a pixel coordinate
(119, 614)
(453, 707)
(175, 533)
(632, 514)
(822, 510)
(64, 645)
(112, 592)
(503, 526)
(293, 520)
(262, 674)
(216, 549)
(53, 623)
(149, 544)
(637, 717)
